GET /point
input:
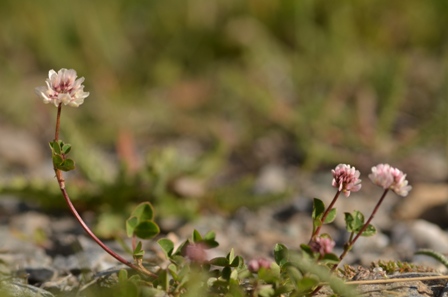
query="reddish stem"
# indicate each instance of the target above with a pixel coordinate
(86, 228)
(351, 242)
(364, 227)
(324, 216)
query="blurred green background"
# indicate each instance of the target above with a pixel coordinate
(215, 90)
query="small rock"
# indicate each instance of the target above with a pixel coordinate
(428, 235)
(20, 148)
(422, 198)
(39, 275)
(17, 289)
(272, 180)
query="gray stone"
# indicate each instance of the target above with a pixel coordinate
(18, 289)
(39, 275)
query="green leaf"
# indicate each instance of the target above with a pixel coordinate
(266, 291)
(135, 278)
(330, 258)
(231, 255)
(354, 222)
(66, 165)
(306, 284)
(122, 275)
(209, 244)
(56, 147)
(66, 148)
(226, 272)
(209, 240)
(131, 223)
(219, 261)
(144, 212)
(330, 216)
(306, 249)
(318, 208)
(128, 289)
(138, 251)
(280, 254)
(294, 274)
(235, 262)
(146, 230)
(433, 254)
(359, 220)
(167, 246)
(57, 161)
(210, 236)
(182, 248)
(317, 223)
(197, 236)
(370, 230)
(163, 280)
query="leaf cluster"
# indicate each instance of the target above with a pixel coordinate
(59, 151)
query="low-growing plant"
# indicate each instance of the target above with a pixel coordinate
(189, 271)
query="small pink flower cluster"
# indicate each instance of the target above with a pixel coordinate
(63, 87)
(322, 245)
(391, 178)
(346, 179)
(196, 252)
(255, 264)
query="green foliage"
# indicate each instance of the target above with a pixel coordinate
(140, 223)
(435, 255)
(281, 254)
(175, 60)
(292, 274)
(59, 151)
(354, 223)
(318, 212)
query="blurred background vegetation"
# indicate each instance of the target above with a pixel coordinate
(209, 92)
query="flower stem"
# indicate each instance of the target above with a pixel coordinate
(73, 210)
(58, 122)
(348, 246)
(324, 216)
(350, 243)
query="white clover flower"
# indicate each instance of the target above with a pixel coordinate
(346, 179)
(381, 175)
(400, 185)
(391, 178)
(63, 87)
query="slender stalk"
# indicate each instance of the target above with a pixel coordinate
(324, 216)
(351, 241)
(73, 210)
(364, 227)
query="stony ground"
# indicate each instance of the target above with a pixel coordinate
(49, 254)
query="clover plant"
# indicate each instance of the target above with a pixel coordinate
(189, 271)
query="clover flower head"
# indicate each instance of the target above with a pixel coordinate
(400, 185)
(255, 264)
(196, 252)
(63, 87)
(391, 178)
(381, 175)
(346, 179)
(322, 245)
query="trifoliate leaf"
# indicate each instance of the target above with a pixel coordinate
(144, 212)
(131, 223)
(318, 208)
(330, 216)
(167, 246)
(146, 230)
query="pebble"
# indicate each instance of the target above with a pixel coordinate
(19, 289)
(428, 235)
